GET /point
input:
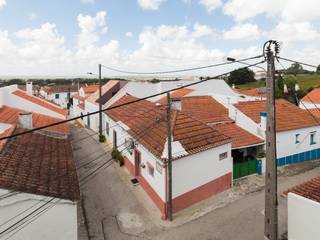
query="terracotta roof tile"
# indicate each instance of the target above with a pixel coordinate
(39, 102)
(205, 108)
(256, 92)
(176, 95)
(313, 96)
(288, 116)
(314, 111)
(11, 116)
(90, 88)
(60, 88)
(39, 164)
(107, 89)
(81, 106)
(81, 98)
(309, 189)
(147, 124)
(6, 133)
(240, 137)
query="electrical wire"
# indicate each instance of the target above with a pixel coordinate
(179, 70)
(294, 61)
(124, 104)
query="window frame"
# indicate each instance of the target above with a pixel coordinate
(297, 138)
(313, 138)
(223, 156)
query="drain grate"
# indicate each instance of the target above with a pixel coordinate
(134, 181)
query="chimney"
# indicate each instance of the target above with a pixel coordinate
(263, 121)
(29, 88)
(25, 120)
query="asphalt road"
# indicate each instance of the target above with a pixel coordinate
(112, 211)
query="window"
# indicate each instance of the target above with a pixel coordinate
(313, 138)
(150, 169)
(57, 96)
(223, 155)
(107, 128)
(297, 138)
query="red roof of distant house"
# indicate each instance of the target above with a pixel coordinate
(38, 164)
(106, 88)
(60, 88)
(11, 116)
(314, 111)
(81, 106)
(176, 95)
(313, 96)
(288, 116)
(90, 88)
(6, 133)
(147, 124)
(40, 102)
(205, 108)
(240, 137)
(309, 189)
(256, 92)
(81, 98)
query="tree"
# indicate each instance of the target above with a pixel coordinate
(241, 76)
(318, 69)
(295, 69)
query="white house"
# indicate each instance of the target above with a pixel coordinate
(202, 162)
(298, 133)
(13, 97)
(304, 211)
(59, 94)
(39, 190)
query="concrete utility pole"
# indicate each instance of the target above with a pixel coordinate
(100, 105)
(169, 200)
(271, 197)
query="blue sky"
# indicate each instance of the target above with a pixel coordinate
(62, 37)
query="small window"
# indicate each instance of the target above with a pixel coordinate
(107, 128)
(150, 169)
(223, 155)
(57, 96)
(297, 138)
(313, 138)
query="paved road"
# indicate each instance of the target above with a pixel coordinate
(111, 208)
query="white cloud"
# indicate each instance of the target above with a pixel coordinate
(202, 30)
(287, 10)
(150, 4)
(88, 1)
(129, 34)
(245, 31)
(292, 32)
(211, 4)
(91, 28)
(2, 3)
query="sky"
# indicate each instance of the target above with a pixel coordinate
(70, 38)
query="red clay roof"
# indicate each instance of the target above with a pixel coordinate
(105, 90)
(314, 111)
(6, 133)
(309, 189)
(205, 108)
(60, 88)
(240, 137)
(38, 164)
(40, 102)
(81, 98)
(250, 92)
(288, 116)
(11, 116)
(90, 89)
(176, 95)
(313, 96)
(147, 124)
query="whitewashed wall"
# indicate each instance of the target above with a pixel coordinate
(303, 218)
(94, 119)
(157, 181)
(307, 105)
(198, 169)
(286, 141)
(14, 101)
(59, 222)
(61, 101)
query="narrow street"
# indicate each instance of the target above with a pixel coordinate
(112, 211)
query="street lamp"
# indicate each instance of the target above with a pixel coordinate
(101, 136)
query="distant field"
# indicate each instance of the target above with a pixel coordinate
(305, 82)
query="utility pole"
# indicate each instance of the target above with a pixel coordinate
(100, 106)
(169, 177)
(271, 197)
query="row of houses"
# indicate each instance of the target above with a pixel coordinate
(37, 172)
(218, 135)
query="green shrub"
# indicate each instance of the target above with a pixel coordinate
(116, 155)
(102, 138)
(121, 160)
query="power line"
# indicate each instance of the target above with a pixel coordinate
(294, 61)
(180, 70)
(124, 104)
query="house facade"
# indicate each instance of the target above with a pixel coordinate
(202, 165)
